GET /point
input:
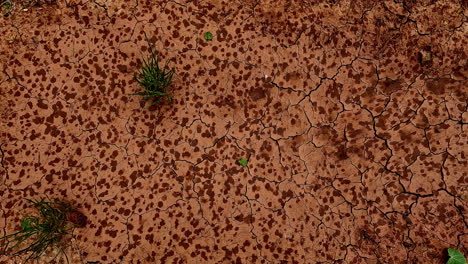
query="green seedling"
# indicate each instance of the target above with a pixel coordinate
(44, 231)
(455, 257)
(7, 5)
(243, 162)
(208, 36)
(154, 80)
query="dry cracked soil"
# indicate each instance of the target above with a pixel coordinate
(352, 115)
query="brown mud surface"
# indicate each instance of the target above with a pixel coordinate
(353, 115)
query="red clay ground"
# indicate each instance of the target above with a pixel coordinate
(353, 115)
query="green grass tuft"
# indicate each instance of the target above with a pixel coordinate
(44, 231)
(154, 80)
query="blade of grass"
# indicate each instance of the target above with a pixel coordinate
(22, 239)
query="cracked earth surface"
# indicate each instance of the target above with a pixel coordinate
(352, 114)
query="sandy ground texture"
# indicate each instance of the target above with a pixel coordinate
(352, 114)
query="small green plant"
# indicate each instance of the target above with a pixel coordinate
(7, 7)
(44, 231)
(455, 257)
(243, 162)
(154, 80)
(208, 36)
